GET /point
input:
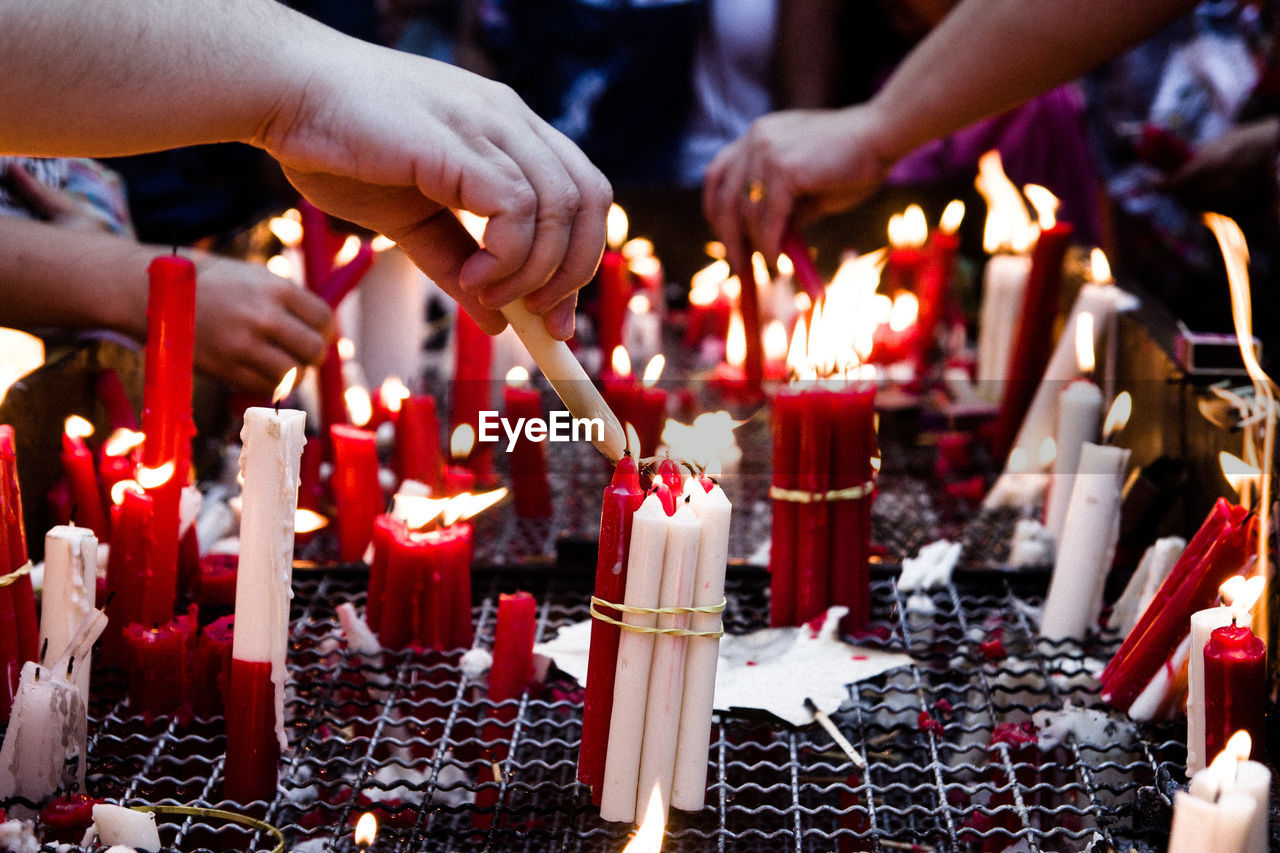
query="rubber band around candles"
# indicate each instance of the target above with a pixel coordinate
(851, 493)
(13, 576)
(597, 602)
(219, 814)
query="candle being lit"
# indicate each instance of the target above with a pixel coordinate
(366, 831)
(1226, 807)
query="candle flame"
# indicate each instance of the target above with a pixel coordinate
(639, 304)
(731, 287)
(775, 341)
(802, 302)
(708, 439)
(1018, 461)
(760, 270)
(359, 405)
(347, 254)
(637, 247)
(462, 441)
(281, 266)
(633, 440)
(473, 224)
(905, 310)
(1048, 452)
(154, 478)
(1099, 269)
(621, 361)
(381, 242)
(1084, 343)
(287, 230)
(908, 229)
(20, 353)
(517, 376)
(416, 511)
(1008, 226)
(1240, 745)
(714, 249)
(952, 216)
(645, 266)
(122, 442)
(346, 349)
(798, 352)
(653, 370)
(308, 521)
(77, 427)
(616, 227)
(648, 837)
(813, 346)
(392, 392)
(118, 490)
(735, 343)
(366, 829)
(1238, 473)
(285, 385)
(1241, 593)
(786, 269)
(1045, 204)
(1117, 415)
(468, 505)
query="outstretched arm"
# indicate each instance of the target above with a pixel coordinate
(385, 139)
(984, 57)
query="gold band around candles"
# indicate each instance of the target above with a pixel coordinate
(852, 493)
(219, 814)
(596, 613)
(12, 577)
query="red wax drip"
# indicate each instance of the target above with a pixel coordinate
(1235, 681)
(253, 750)
(622, 498)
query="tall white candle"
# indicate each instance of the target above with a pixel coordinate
(1079, 419)
(1004, 283)
(70, 587)
(689, 785)
(1230, 783)
(649, 528)
(269, 463)
(1088, 544)
(1203, 623)
(391, 324)
(666, 674)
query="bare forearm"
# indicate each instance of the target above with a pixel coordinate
(989, 55)
(51, 276)
(121, 76)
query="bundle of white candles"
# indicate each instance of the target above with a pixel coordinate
(667, 654)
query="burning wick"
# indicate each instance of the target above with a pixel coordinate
(283, 389)
(366, 830)
(826, 722)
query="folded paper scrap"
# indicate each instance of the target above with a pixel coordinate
(770, 670)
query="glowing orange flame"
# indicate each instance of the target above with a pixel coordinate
(392, 392)
(347, 254)
(462, 441)
(1084, 343)
(77, 427)
(417, 511)
(359, 404)
(633, 440)
(122, 486)
(616, 227)
(1045, 204)
(620, 360)
(714, 249)
(637, 247)
(909, 228)
(1117, 415)
(285, 386)
(380, 243)
(153, 478)
(366, 829)
(653, 370)
(785, 267)
(775, 341)
(308, 521)
(952, 216)
(517, 377)
(1048, 452)
(468, 505)
(639, 304)
(1240, 745)
(1008, 226)
(905, 310)
(648, 837)
(287, 229)
(473, 224)
(1099, 269)
(1238, 473)
(798, 352)
(281, 266)
(735, 342)
(122, 442)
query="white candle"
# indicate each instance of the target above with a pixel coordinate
(1079, 419)
(119, 825)
(645, 559)
(1156, 563)
(1088, 544)
(567, 377)
(1225, 780)
(269, 463)
(70, 587)
(391, 322)
(666, 674)
(1200, 826)
(689, 785)
(1203, 623)
(1004, 283)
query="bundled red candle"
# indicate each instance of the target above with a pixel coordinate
(19, 630)
(82, 474)
(127, 567)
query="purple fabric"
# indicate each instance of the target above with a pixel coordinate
(1041, 142)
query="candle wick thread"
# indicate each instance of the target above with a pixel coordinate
(44, 649)
(71, 662)
(110, 597)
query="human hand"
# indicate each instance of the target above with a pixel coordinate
(393, 141)
(50, 204)
(252, 326)
(1235, 169)
(790, 166)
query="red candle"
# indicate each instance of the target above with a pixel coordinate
(158, 659)
(355, 489)
(66, 818)
(385, 528)
(253, 762)
(17, 602)
(311, 489)
(118, 458)
(77, 462)
(217, 585)
(211, 670)
(320, 245)
(806, 274)
(648, 415)
(853, 446)
(788, 407)
(622, 497)
(620, 388)
(932, 285)
(1217, 551)
(473, 367)
(341, 281)
(1033, 343)
(1235, 686)
(127, 568)
(749, 305)
(166, 418)
(671, 472)
(418, 455)
(115, 400)
(513, 636)
(527, 458)
(458, 549)
(813, 517)
(902, 269)
(615, 290)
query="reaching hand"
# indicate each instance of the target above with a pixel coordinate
(53, 205)
(252, 326)
(1236, 169)
(790, 166)
(392, 141)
